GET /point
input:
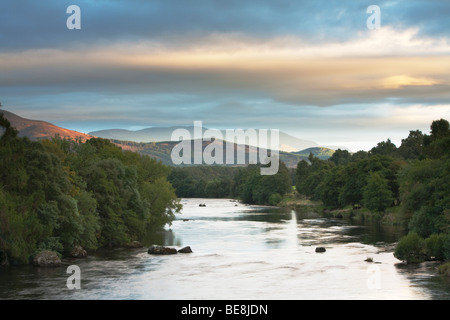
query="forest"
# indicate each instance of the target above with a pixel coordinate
(244, 183)
(55, 194)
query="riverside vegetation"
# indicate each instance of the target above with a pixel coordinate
(57, 194)
(408, 186)
(60, 193)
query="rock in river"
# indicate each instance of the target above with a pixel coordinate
(185, 250)
(320, 249)
(161, 250)
(47, 258)
(78, 252)
(134, 244)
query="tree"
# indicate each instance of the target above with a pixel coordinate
(360, 155)
(377, 196)
(386, 148)
(425, 195)
(331, 187)
(302, 172)
(437, 145)
(340, 157)
(411, 248)
(440, 129)
(355, 181)
(412, 146)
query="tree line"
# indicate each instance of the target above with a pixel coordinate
(61, 193)
(244, 183)
(412, 179)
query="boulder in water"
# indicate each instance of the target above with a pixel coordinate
(47, 258)
(78, 252)
(160, 250)
(185, 250)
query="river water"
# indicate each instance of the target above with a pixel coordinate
(242, 252)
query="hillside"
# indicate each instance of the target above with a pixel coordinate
(319, 152)
(288, 143)
(162, 151)
(40, 130)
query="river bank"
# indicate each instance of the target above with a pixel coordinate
(391, 217)
(241, 252)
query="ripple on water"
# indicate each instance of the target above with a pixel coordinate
(243, 252)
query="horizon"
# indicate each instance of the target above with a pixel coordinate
(141, 128)
(314, 70)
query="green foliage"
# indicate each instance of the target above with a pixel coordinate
(384, 148)
(411, 248)
(341, 157)
(435, 246)
(425, 195)
(60, 193)
(253, 188)
(414, 177)
(204, 181)
(412, 146)
(377, 196)
(331, 187)
(275, 199)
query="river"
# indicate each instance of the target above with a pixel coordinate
(242, 252)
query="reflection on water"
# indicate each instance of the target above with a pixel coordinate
(242, 252)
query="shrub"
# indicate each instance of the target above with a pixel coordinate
(275, 199)
(411, 248)
(444, 269)
(435, 246)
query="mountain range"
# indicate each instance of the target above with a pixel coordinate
(288, 143)
(156, 142)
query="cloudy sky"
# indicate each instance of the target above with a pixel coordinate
(307, 67)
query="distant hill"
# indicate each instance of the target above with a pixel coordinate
(163, 150)
(288, 143)
(319, 152)
(40, 130)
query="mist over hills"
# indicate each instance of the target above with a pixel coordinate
(156, 142)
(288, 143)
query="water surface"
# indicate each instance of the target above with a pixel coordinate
(242, 252)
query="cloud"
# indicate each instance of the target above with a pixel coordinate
(283, 69)
(42, 24)
(231, 63)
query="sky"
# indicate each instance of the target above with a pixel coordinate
(310, 68)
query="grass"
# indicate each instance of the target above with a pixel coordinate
(294, 199)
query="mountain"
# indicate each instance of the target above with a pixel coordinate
(288, 143)
(40, 130)
(319, 152)
(162, 151)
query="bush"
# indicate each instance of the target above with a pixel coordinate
(275, 199)
(411, 248)
(435, 246)
(444, 269)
